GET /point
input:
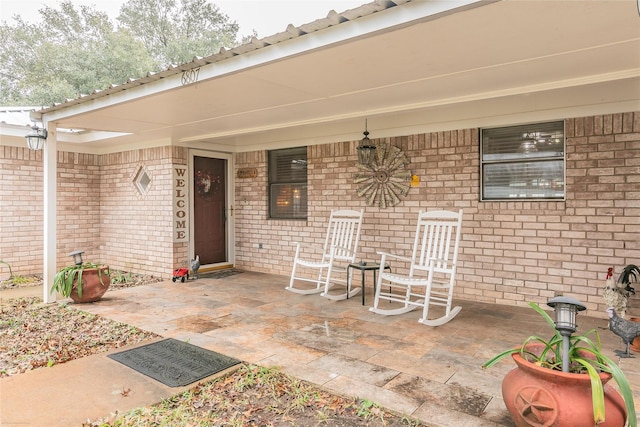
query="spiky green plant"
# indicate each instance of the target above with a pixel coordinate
(119, 277)
(8, 265)
(64, 279)
(585, 355)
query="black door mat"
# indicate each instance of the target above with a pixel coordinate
(174, 363)
(219, 274)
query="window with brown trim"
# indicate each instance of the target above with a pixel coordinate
(523, 162)
(288, 183)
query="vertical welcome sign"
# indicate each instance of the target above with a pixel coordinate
(180, 204)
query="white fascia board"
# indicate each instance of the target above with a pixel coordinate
(108, 149)
(375, 22)
(7, 130)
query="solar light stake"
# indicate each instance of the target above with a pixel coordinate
(77, 257)
(565, 309)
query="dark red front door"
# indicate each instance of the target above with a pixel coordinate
(209, 215)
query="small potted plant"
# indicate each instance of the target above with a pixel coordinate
(83, 281)
(563, 381)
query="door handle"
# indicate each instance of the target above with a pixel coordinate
(224, 211)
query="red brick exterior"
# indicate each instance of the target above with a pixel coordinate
(511, 252)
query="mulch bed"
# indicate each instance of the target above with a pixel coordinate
(33, 335)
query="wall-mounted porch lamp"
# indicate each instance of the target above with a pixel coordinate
(77, 257)
(366, 149)
(565, 309)
(36, 138)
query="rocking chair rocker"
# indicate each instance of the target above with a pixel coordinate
(431, 273)
(319, 265)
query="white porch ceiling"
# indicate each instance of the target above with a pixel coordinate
(487, 63)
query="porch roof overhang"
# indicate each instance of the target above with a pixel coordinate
(407, 66)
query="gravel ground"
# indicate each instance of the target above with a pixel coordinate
(119, 280)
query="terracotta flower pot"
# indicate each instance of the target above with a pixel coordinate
(92, 288)
(537, 396)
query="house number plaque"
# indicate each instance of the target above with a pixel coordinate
(190, 76)
(247, 173)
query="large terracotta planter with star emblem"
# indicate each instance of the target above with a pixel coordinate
(539, 396)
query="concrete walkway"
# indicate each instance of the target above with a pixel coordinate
(432, 374)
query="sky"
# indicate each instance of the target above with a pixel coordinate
(267, 17)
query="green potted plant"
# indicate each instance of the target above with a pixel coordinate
(538, 392)
(83, 282)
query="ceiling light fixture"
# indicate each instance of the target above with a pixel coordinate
(366, 149)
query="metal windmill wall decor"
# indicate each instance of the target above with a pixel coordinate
(385, 179)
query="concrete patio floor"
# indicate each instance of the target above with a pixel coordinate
(433, 374)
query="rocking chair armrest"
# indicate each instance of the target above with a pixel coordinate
(390, 255)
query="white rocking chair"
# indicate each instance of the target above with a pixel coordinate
(431, 270)
(319, 265)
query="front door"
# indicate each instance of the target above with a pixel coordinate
(209, 209)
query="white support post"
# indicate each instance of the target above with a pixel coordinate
(50, 167)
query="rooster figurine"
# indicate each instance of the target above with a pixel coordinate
(615, 296)
(629, 274)
(195, 266)
(625, 329)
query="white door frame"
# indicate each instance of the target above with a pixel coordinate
(229, 204)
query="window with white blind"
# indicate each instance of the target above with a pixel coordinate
(288, 183)
(523, 162)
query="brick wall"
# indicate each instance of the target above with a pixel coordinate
(511, 252)
(601, 227)
(137, 228)
(79, 199)
(100, 211)
(21, 210)
(21, 222)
